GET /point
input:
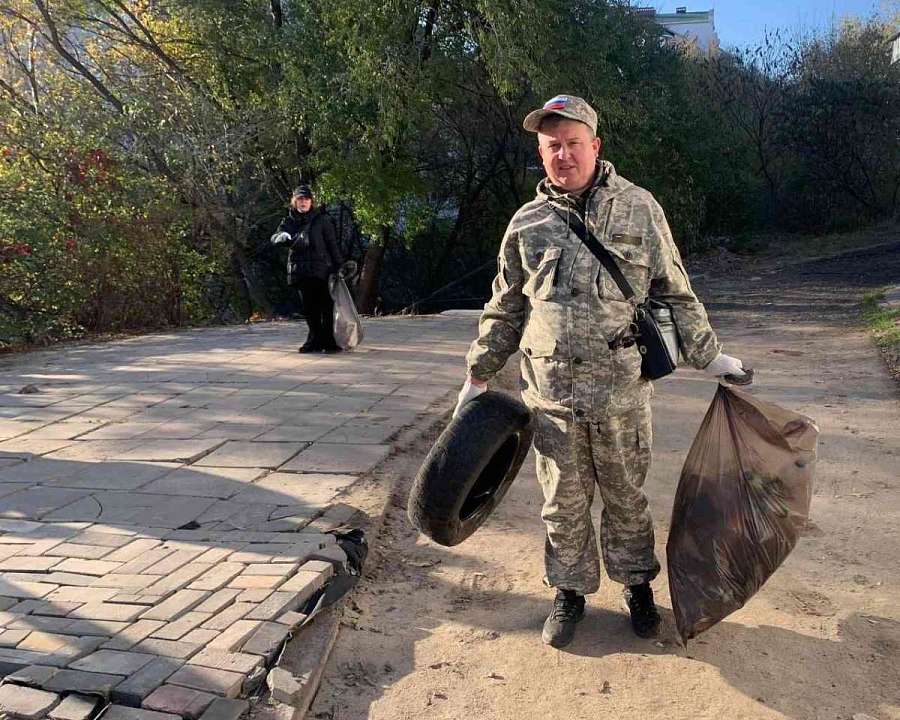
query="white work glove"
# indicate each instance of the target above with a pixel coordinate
(281, 238)
(724, 365)
(469, 391)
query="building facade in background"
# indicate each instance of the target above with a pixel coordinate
(693, 31)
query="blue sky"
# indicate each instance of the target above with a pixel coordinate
(739, 22)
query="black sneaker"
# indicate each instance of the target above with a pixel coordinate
(559, 627)
(644, 616)
(309, 347)
(331, 349)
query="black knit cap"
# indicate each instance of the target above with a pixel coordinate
(303, 191)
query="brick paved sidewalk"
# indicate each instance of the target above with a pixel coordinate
(164, 503)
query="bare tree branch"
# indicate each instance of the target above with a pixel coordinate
(78, 66)
(19, 102)
(148, 41)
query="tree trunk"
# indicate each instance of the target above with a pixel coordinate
(246, 281)
(277, 13)
(430, 18)
(367, 296)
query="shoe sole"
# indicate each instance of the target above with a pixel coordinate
(644, 636)
(558, 644)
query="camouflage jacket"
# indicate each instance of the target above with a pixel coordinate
(554, 300)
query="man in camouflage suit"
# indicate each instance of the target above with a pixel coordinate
(580, 366)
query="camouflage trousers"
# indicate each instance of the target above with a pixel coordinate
(574, 458)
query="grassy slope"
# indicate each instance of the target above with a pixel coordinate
(885, 327)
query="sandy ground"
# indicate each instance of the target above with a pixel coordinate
(434, 632)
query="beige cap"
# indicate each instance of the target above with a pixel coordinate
(567, 106)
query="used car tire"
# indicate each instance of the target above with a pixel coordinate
(470, 467)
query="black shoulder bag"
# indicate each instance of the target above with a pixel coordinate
(657, 358)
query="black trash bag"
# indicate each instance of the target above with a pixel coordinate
(346, 574)
(741, 503)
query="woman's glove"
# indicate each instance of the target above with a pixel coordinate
(280, 238)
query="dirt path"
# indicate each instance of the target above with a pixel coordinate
(453, 633)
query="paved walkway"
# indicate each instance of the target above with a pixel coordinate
(164, 500)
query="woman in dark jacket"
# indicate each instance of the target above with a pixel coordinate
(313, 256)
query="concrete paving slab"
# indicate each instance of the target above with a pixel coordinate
(138, 686)
(221, 682)
(63, 430)
(37, 470)
(361, 433)
(117, 612)
(298, 432)
(10, 428)
(266, 640)
(222, 709)
(85, 683)
(168, 450)
(222, 660)
(121, 430)
(230, 515)
(12, 637)
(75, 707)
(234, 431)
(131, 635)
(178, 629)
(175, 649)
(180, 701)
(337, 458)
(32, 675)
(25, 590)
(252, 454)
(173, 608)
(152, 510)
(113, 661)
(44, 607)
(122, 712)
(85, 552)
(200, 636)
(10, 488)
(26, 563)
(218, 601)
(314, 490)
(26, 703)
(112, 475)
(209, 482)
(35, 502)
(28, 446)
(97, 568)
(91, 450)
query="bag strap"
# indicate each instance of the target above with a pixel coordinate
(599, 252)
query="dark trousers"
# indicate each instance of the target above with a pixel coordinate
(318, 308)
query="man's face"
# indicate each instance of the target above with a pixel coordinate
(303, 204)
(569, 153)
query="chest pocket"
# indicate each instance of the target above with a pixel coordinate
(541, 282)
(634, 262)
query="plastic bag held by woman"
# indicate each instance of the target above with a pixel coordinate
(742, 501)
(348, 329)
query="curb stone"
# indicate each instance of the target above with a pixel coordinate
(319, 637)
